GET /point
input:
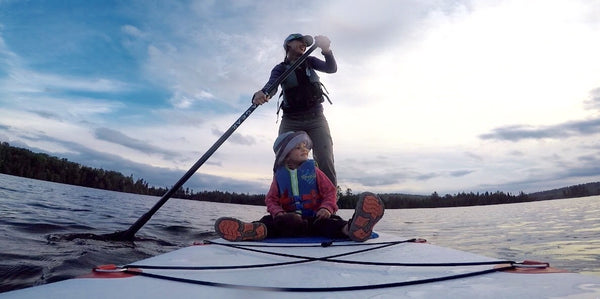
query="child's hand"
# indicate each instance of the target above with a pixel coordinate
(323, 214)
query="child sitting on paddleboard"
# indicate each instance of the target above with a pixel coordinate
(302, 201)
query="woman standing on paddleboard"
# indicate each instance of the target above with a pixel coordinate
(303, 97)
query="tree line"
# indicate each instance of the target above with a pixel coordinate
(580, 190)
(409, 201)
(25, 163)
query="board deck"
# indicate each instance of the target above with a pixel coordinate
(400, 268)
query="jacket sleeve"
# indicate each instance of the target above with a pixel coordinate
(272, 199)
(328, 66)
(275, 73)
(328, 191)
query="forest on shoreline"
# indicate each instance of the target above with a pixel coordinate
(25, 163)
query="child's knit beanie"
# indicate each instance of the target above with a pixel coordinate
(286, 142)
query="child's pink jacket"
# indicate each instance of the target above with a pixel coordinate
(326, 188)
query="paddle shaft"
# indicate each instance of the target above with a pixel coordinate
(130, 233)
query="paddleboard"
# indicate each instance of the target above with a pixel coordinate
(387, 266)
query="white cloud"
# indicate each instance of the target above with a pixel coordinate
(487, 66)
(132, 31)
(418, 84)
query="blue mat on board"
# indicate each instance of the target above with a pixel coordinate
(303, 240)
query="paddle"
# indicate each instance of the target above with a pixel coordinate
(130, 233)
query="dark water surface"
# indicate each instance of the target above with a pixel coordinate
(35, 214)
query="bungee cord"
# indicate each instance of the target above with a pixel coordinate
(502, 265)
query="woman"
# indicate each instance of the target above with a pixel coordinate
(303, 97)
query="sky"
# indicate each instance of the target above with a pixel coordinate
(429, 96)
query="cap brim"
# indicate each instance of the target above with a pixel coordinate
(308, 40)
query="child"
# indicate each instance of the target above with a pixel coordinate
(302, 201)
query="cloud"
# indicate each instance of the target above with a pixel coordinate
(588, 159)
(132, 31)
(236, 137)
(427, 76)
(583, 171)
(119, 138)
(459, 173)
(427, 176)
(546, 179)
(376, 179)
(564, 130)
(389, 178)
(46, 114)
(162, 176)
(182, 100)
(594, 99)
(365, 29)
(186, 118)
(474, 156)
(21, 80)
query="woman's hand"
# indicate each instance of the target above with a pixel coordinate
(323, 42)
(259, 98)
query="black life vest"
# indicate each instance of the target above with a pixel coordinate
(302, 89)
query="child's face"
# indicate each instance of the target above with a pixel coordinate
(298, 154)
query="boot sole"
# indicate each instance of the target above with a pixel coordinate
(369, 210)
(232, 229)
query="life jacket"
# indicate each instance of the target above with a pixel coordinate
(302, 89)
(309, 200)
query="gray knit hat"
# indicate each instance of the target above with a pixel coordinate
(286, 142)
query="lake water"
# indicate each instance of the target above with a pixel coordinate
(33, 214)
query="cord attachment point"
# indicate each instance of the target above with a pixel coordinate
(111, 271)
(530, 267)
(110, 268)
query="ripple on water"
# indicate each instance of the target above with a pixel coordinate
(38, 228)
(18, 276)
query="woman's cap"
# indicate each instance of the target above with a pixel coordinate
(308, 40)
(285, 142)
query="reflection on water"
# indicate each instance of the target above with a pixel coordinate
(565, 233)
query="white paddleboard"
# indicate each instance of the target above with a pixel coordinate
(398, 268)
